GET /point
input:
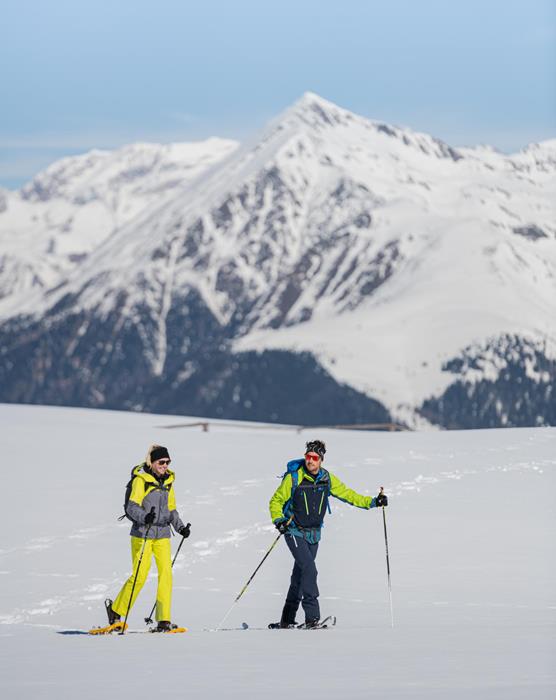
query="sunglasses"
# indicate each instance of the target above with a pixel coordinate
(163, 462)
(312, 457)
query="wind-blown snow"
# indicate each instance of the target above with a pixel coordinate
(470, 526)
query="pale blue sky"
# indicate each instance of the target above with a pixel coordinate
(78, 74)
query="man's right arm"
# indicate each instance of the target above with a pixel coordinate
(280, 498)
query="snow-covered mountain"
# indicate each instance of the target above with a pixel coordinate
(334, 269)
(49, 226)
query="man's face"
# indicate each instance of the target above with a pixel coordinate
(160, 467)
(312, 463)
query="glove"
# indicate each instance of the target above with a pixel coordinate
(282, 526)
(149, 518)
(381, 500)
(185, 531)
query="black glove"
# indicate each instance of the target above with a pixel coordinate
(381, 500)
(282, 526)
(185, 531)
(149, 518)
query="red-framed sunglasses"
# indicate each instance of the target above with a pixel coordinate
(312, 457)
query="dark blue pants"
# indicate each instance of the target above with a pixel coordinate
(303, 584)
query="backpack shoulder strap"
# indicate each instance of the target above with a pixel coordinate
(128, 488)
(329, 490)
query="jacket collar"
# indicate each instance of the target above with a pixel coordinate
(150, 478)
(310, 477)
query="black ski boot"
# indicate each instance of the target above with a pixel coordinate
(112, 616)
(310, 624)
(282, 625)
(165, 626)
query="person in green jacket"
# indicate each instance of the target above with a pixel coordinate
(297, 509)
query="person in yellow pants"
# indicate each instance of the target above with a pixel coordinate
(152, 509)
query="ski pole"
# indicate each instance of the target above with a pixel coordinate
(251, 578)
(387, 560)
(136, 574)
(149, 619)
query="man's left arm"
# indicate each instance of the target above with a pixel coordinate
(339, 490)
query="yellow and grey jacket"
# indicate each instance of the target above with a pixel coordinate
(149, 492)
(304, 498)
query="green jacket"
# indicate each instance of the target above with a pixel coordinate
(281, 499)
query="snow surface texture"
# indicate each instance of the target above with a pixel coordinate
(396, 251)
(470, 526)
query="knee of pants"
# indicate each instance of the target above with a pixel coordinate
(143, 572)
(165, 576)
(309, 567)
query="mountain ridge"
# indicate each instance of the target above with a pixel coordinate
(332, 235)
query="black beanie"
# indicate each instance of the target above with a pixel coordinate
(159, 453)
(317, 446)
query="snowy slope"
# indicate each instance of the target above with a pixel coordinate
(68, 210)
(470, 526)
(385, 253)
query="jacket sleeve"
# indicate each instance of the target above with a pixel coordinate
(280, 498)
(339, 490)
(175, 519)
(134, 509)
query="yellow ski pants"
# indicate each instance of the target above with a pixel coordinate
(162, 555)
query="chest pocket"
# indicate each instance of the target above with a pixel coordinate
(310, 501)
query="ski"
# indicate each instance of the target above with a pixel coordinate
(244, 626)
(327, 623)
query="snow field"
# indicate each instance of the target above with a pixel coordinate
(470, 527)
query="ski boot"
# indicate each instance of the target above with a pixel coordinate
(112, 616)
(310, 624)
(282, 625)
(317, 624)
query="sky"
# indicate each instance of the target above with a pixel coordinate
(101, 73)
